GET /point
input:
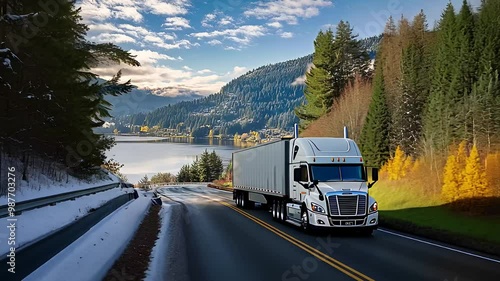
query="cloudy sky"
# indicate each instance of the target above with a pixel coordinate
(200, 45)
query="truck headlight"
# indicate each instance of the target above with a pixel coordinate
(317, 208)
(374, 208)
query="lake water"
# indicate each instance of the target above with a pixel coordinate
(149, 155)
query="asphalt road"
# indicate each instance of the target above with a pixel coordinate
(217, 241)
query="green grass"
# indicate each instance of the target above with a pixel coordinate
(442, 218)
(408, 208)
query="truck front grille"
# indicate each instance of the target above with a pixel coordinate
(347, 205)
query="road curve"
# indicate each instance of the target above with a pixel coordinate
(223, 242)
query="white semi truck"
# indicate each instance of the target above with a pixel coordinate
(308, 182)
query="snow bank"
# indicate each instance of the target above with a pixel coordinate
(157, 265)
(34, 224)
(92, 255)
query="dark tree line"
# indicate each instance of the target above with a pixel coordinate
(49, 98)
(206, 168)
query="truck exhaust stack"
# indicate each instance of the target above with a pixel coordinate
(346, 133)
(296, 131)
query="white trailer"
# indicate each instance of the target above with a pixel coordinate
(308, 182)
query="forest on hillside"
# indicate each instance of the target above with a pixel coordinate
(263, 97)
(430, 113)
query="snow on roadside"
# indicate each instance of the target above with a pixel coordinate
(42, 186)
(37, 223)
(92, 255)
(158, 259)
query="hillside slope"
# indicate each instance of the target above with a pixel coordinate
(263, 97)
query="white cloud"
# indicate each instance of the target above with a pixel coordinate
(150, 76)
(242, 34)
(238, 71)
(274, 24)
(134, 10)
(204, 71)
(286, 35)
(160, 7)
(112, 37)
(184, 43)
(288, 11)
(187, 67)
(207, 19)
(104, 27)
(301, 80)
(146, 57)
(176, 23)
(226, 20)
(214, 42)
(232, 48)
(127, 13)
(94, 10)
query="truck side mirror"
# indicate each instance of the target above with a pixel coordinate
(373, 174)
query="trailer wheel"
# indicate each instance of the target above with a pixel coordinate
(306, 227)
(238, 199)
(275, 210)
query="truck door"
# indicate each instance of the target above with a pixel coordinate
(298, 192)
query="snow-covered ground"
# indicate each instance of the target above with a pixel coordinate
(34, 224)
(157, 265)
(40, 185)
(93, 254)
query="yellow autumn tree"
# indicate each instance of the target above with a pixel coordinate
(451, 179)
(492, 167)
(396, 165)
(474, 182)
(461, 158)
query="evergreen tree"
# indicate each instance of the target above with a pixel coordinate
(375, 134)
(407, 118)
(442, 99)
(194, 171)
(318, 90)
(184, 174)
(52, 105)
(216, 166)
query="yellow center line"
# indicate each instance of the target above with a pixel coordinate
(356, 275)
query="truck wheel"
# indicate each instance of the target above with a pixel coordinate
(242, 200)
(367, 232)
(306, 227)
(283, 211)
(275, 210)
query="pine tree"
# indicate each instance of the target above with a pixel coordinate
(474, 183)
(56, 105)
(442, 100)
(194, 171)
(407, 118)
(375, 134)
(318, 88)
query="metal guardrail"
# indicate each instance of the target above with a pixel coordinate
(178, 183)
(53, 199)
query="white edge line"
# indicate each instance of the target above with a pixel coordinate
(439, 246)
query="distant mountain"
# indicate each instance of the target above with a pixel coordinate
(371, 44)
(264, 97)
(146, 100)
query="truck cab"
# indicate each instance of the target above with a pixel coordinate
(329, 181)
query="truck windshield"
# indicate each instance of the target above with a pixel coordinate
(337, 172)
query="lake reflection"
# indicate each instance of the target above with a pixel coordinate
(141, 155)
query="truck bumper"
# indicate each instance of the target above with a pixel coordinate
(324, 221)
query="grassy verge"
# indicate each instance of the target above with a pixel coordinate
(409, 210)
(221, 184)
